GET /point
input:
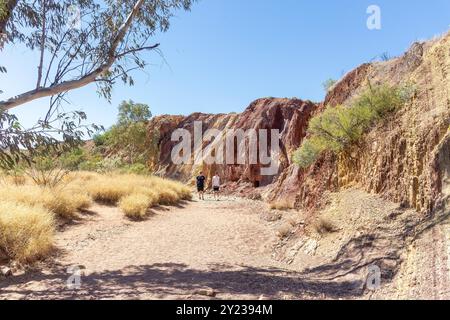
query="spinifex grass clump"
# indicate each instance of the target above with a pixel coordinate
(341, 126)
(26, 232)
(111, 188)
(28, 210)
(135, 206)
(64, 202)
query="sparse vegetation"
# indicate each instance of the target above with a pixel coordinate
(79, 189)
(284, 230)
(329, 84)
(129, 135)
(324, 226)
(282, 205)
(63, 202)
(385, 56)
(339, 127)
(27, 210)
(26, 232)
(112, 188)
(135, 206)
(127, 147)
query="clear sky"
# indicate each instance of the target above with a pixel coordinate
(225, 53)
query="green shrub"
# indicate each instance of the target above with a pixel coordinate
(100, 139)
(329, 84)
(382, 99)
(73, 159)
(90, 165)
(308, 152)
(137, 168)
(341, 126)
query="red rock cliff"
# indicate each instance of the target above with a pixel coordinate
(405, 158)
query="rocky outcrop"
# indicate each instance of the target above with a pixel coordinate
(289, 116)
(398, 158)
(405, 158)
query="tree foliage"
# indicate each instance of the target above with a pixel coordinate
(339, 127)
(77, 42)
(84, 41)
(130, 112)
(52, 135)
(129, 136)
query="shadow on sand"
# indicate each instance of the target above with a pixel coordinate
(179, 281)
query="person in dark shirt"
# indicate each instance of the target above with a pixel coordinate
(201, 186)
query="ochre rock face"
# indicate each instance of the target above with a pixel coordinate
(289, 116)
(405, 157)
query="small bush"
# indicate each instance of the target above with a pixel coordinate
(329, 84)
(135, 206)
(90, 165)
(26, 232)
(284, 230)
(108, 190)
(324, 226)
(308, 152)
(137, 168)
(168, 197)
(63, 202)
(66, 202)
(341, 126)
(72, 160)
(111, 188)
(282, 205)
(45, 173)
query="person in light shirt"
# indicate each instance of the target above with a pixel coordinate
(216, 186)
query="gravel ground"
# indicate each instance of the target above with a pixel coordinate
(230, 249)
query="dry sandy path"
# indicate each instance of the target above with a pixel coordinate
(203, 250)
(184, 252)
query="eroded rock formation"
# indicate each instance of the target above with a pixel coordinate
(405, 158)
(289, 116)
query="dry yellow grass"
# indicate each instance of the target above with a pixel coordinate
(63, 201)
(77, 190)
(284, 230)
(324, 226)
(112, 188)
(281, 205)
(135, 206)
(26, 232)
(27, 210)
(68, 201)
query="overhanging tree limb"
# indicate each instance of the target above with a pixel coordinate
(84, 80)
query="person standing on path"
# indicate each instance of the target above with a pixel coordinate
(216, 186)
(201, 186)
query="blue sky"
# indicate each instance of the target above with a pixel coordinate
(225, 53)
